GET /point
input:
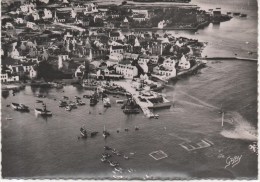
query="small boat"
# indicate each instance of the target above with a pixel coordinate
(94, 99)
(20, 107)
(119, 101)
(73, 105)
(103, 159)
(68, 108)
(118, 153)
(126, 157)
(250, 53)
(83, 132)
(106, 102)
(43, 112)
(107, 148)
(39, 101)
(86, 96)
(106, 155)
(65, 97)
(236, 13)
(80, 103)
(229, 13)
(243, 15)
(8, 105)
(8, 118)
(114, 151)
(105, 133)
(94, 133)
(78, 98)
(118, 169)
(40, 96)
(62, 103)
(136, 128)
(156, 116)
(113, 164)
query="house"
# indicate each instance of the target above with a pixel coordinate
(9, 25)
(154, 59)
(139, 17)
(127, 70)
(144, 66)
(169, 63)
(91, 8)
(116, 49)
(31, 25)
(161, 24)
(143, 59)
(130, 56)
(33, 73)
(114, 35)
(5, 77)
(125, 23)
(141, 11)
(47, 14)
(164, 72)
(61, 59)
(116, 56)
(19, 20)
(184, 63)
(109, 25)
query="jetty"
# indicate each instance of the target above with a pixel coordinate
(135, 94)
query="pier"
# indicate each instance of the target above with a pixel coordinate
(135, 94)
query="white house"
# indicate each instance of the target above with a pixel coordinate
(33, 73)
(31, 25)
(169, 63)
(8, 78)
(154, 59)
(19, 20)
(161, 24)
(73, 13)
(141, 11)
(116, 56)
(62, 58)
(127, 70)
(143, 59)
(9, 25)
(184, 63)
(144, 66)
(139, 17)
(116, 49)
(47, 14)
(167, 72)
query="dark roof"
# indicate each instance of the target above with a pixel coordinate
(117, 47)
(114, 34)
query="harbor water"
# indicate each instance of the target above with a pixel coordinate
(34, 147)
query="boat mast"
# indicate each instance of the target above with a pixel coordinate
(222, 124)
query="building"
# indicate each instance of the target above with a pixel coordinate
(154, 59)
(143, 59)
(116, 49)
(47, 14)
(169, 63)
(184, 63)
(61, 59)
(161, 24)
(33, 73)
(79, 73)
(141, 11)
(19, 20)
(139, 17)
(114, 35)
(127, 70)
(116, 56)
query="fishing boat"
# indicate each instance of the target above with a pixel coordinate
(68, 108)
(62, 103)
(8, 118)
(126, 157)
(105, 133)
(94, 99)
(119, 101)
(86, 96)
(107, 148)
(80, 103)
(65, 97)
(73, 105)
(43, 111)
(77, 98)
(243, 15)
(236, 13)
(83, 132)
(113, 164)
(106, 102)
(103, 159)
(39, 101)
(131, 107)
(20, 107)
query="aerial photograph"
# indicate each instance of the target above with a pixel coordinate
(129, 89)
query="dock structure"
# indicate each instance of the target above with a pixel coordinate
(135, 94)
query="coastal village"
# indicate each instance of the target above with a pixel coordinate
(122, 51)
(52, 43)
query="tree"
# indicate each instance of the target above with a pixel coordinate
(124, 3)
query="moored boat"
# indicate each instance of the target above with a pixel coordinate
(43, 111)
(83, 132)
(106, 102)
(243, 15)
(20, 107)
(94, 99)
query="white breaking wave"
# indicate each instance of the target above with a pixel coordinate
(242, 128)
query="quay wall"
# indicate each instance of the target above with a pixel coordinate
(229, 58)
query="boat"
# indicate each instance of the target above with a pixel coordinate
(20, 107)
(236, 13)
(243, 15)
(118, 169)
(94, 133)
(156, 116)
(229, 13)
(107, 148)
(103, 159)
(105, 133)
(86, 96)
(131, 107)
(126, 157)
(73, 105)
(106, 155)
(77, 98)
(68, 108)
(43, 112)
(106, 102)
(65, 97)
(62, 103)
(119, 101)
(39, 101)
(80, 103)
(94, 99)
(8, 118)
(83, 132)
(159, 102)
(113, 164)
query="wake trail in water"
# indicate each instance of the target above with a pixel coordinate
(243, 129)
